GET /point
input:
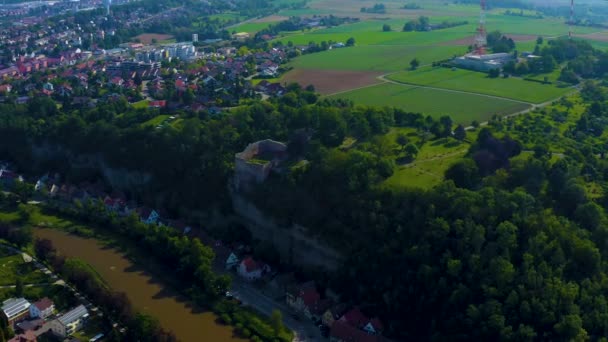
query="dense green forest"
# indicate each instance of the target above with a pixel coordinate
(511, 246)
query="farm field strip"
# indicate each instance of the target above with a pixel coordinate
(476, 82)
(463, 108)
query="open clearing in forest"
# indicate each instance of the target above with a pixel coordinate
(333, 81)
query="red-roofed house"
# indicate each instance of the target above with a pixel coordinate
(343, 332)
(5, 88)
(28, 336)
(355, 318)
(303, 298)
(42, 308)
(251, 269)
(157, 104)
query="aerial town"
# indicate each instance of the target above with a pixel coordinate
(303, 170)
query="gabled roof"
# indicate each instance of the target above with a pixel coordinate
(347, 333)
(376, 324)
(251, 265)
(73, 315)
(43, 304)
(355, 318)
(14, 306)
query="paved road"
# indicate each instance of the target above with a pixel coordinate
(304, 329)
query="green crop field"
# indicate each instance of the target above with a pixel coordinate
(463, 108)
(477, 82)
(251, 27)
(374, 58)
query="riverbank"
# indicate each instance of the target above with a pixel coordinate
(248, 322)
(146, 291)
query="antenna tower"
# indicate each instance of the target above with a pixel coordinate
(571, 19)
(481, 36)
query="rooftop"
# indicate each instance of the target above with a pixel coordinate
(74, 315)
(43, 304)
(14, 306)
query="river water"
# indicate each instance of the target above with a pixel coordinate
(173, 311)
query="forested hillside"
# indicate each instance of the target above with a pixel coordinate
(512, 246)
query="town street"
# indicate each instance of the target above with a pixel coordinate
(304, 329)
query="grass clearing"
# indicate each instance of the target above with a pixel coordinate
(143, 104)
(156, 120)
(429, 167)
(251, 27)
(477, 82)
(13, 267)
(463, 108)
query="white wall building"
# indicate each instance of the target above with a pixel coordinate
(70, 322)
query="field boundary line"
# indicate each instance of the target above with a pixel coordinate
(388, 80)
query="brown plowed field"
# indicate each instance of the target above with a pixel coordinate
(332, 81)
(471, 39)
(271, 19)
(599, 36)
(146, 38)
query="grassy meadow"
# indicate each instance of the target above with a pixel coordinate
(477, 82)
(463, 108)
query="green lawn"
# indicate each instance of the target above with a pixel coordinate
(156, 120)
(143, 104)
(463, 108)
(477, 82)
(251, 28)
(13, 266)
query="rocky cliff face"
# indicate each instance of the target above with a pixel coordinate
(117, 178)
(294, 244)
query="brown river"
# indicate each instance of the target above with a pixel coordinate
(145, 292)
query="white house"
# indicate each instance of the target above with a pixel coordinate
(232, 261)
(42, 308)
(251, 269)
(70, 322)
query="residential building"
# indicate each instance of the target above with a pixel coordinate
(303, 297)
(251, 269)
(70, 322)
(15, 310)
(148, 216)
(28, 336)
(333, 314)
(343, 332)
(232, 261)
(42, 308)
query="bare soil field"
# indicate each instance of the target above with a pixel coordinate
(146, 38)
(599, 36)
(332, 81)
(271, 19)
(471, 39)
